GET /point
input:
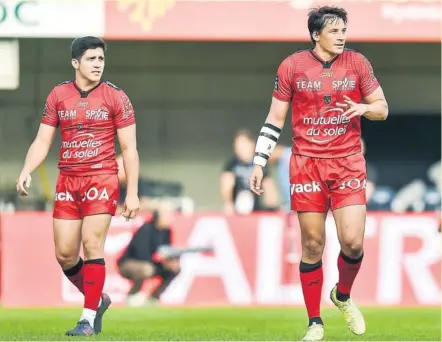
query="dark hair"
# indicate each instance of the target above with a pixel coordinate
(319, 17)
(81, 45)
(244, 133)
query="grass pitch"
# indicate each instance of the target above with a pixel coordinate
(219, 324)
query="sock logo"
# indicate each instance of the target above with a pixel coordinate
(314, 282)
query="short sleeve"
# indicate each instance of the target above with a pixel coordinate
(282, 88)
(367, 79)
(229, 165)
(49, 115)
(124, 114)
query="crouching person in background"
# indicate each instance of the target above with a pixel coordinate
(142, 259)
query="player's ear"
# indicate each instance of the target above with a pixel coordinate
(316, 36)
(75, 63)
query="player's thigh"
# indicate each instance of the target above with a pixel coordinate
(312, 226)
(350, 224)
(94, 231)
(67, 198)
(307, 190)
(100, 195)
(349, 181)
(67, 240)
(99, 204)
(136, 269)
(348, 201)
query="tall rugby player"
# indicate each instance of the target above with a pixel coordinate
(329, 88)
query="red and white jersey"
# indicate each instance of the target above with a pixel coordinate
(313, 87)
(88, 124)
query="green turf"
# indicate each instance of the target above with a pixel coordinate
(219, 324)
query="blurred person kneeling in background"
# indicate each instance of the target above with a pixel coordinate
(142, 258)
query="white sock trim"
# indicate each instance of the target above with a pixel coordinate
(89, 315)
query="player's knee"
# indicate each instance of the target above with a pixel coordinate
(66, 258)
(352, 247)
(312, 248)
(148, 271)
(93, 247)
(136, 274)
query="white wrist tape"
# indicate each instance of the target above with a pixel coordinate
(268, 137)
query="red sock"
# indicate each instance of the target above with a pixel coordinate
(348, 269)
(75, 275)
(311, 280)
(94, 276)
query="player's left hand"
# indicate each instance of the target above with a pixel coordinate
(352, 108)
(131, 207)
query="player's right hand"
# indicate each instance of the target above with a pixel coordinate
(130, 207)
(23, 184)
(255, 180)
